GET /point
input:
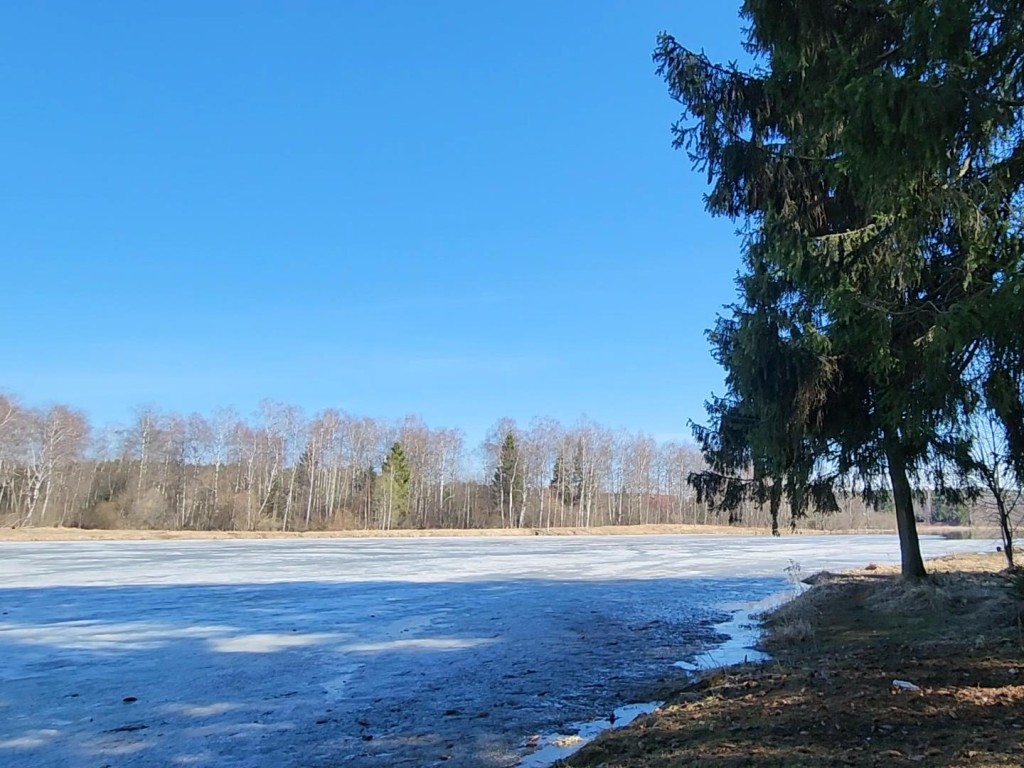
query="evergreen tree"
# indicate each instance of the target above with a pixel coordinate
(876, 160)
(754, 449)
(364, 486)
(560, 480)
(578, 483)
(392, 488)
(508, 485)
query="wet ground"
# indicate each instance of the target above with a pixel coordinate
(361, 653)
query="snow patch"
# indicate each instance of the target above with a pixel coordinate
(266, 643)
(423, 643)
(94, 635)
(200, 710)
(557, 746)
(743, 630)
(30, 740)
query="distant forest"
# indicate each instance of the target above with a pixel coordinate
(279, 470)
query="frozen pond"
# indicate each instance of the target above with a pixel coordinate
(362, 652)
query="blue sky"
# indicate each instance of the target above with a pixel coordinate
(461, 210)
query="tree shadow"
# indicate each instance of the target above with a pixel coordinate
(316, 673)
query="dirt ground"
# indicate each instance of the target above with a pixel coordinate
(829, 699)
(80, 534)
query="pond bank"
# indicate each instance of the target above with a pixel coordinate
(828, 697)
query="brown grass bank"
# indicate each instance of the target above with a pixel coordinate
(828, 699)
(82, 534)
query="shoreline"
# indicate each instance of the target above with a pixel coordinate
(97, 534)
(826, 694)
(743, 632)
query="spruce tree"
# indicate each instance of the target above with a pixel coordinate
(508, 485)
(875, 157)
(392, 488)
(560, 480)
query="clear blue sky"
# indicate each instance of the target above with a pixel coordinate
(463, 210)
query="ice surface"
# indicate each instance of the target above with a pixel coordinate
(363, 652)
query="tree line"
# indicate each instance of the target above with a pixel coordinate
(281, 470)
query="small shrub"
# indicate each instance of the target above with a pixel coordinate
(794, 572)
(104, 516)
(1017, 583)
(792, 631)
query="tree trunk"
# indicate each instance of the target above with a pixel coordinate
(1005, 528)
(912, 565)
(775, 500)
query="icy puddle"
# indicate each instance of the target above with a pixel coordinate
(743, 632)
(368, 652)
(556, 746)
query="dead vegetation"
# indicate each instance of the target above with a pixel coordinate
(46, 533)
(828, 698)
(81, 534)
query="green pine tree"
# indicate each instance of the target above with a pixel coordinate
(508, 484)
(875, 159)
(392, 489)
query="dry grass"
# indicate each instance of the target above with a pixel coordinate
(79, 534)
(793, 631)
(827, 699)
